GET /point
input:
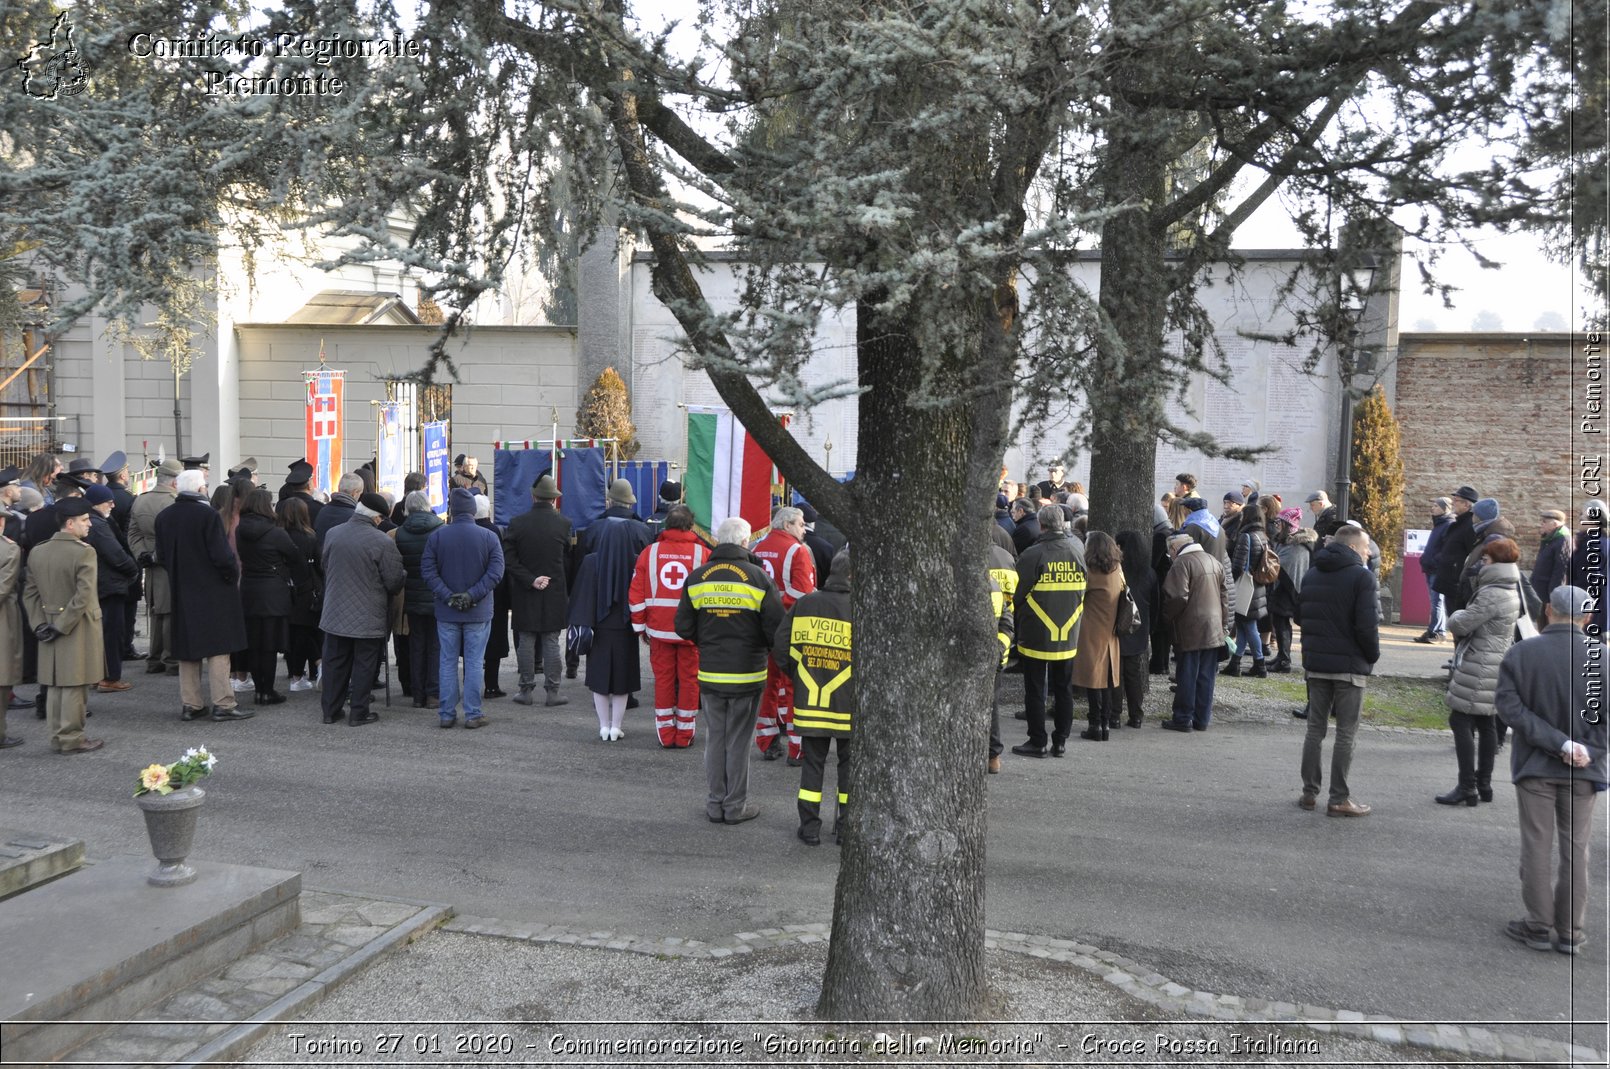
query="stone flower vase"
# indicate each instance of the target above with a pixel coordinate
(170, 823)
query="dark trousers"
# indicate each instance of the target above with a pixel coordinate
(402, 648)
(1058, 675)
(306, 644)
(351, 666)
(1193, 686)
(262, 650)
(1105, 706)
(1161, 641)
(813, 753)
(131, 620)
(424, 655)
(996, 747)
(112, 635)
(1475, 741)
(1282, 631)
(1132, 674)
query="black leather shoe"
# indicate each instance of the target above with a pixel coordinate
(771, 753)
(1059, 749)
(156, 669)
(809, 838)
(1460, 796)
(367, 718)
(1231, 669)
(1029, 750)
(270, 697)
(187, 713)
(419, 703)
(1300, 714)
(237, 713)
(1093, 734)
(333, 719)
(1170, 725)
(570, 671)
(632, 702)
(494, 692)
(1485, 794)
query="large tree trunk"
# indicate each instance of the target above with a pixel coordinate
(1130, 380)
(908, 916)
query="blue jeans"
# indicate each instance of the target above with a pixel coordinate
(1439, 611)
(1195, 672)
(1247, 638)
(470, 641)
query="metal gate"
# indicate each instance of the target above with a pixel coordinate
(421, 404)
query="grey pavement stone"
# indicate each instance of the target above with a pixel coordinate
(353, 935)
(386, 914)
(272, 986)
(1386, 1033)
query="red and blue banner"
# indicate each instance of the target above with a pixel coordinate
(326, 426)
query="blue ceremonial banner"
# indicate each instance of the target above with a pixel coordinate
(580, 472)
(389, 449)
(645, 477)
(438, 465)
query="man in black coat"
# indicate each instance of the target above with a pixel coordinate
(536, 556)
(1341, 643)
(296, 485)
(208, 622)
(340, 508)
(115, 570)
(115, 469)
(1028, 527)
(1460, 539)
(821, 549)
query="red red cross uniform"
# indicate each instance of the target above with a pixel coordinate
(788, 562)
(657, 581)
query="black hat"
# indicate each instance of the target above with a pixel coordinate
(9, 475)
(375, 503)
(806, 511)
(1194, 504)
(192, 463)
(670, 490)
(68, 507)
(115, 463)
(458, 461)
(81, 464)
(246, 467)
(1468, 493)
(67, 483)
(300, 475)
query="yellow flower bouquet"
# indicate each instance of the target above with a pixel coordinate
(165, 779)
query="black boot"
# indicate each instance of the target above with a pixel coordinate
(1282, 664)
(1096, 732)
(1233, 668)
(1460, 795)
(1259, 670)
(1484, 788)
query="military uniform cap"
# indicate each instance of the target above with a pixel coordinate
(193, 463)
(115, 463)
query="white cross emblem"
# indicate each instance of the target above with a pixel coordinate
(324, 420)
(673, 573)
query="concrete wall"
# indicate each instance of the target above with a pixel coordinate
(510, 379)
(1268, 401)
(1493, 411)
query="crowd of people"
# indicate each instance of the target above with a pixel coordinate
(751, 641)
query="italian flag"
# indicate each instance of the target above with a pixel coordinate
(728, 474)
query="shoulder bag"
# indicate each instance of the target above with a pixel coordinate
(1126, 618)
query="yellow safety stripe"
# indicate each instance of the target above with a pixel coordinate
(844, 799)
(723, 595)
(1059, 632)
(812, 711)
(732, 677)
(1045, 655)
(809, 796)
(820, 694)
(997, 602)
(1060, 584)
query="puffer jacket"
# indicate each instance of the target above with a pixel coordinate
(1249, 547)
(1339, 610)
(411, 538)
(731, 611)
(1484, 631)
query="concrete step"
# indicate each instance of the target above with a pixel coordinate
(28, 859)
(100, 945)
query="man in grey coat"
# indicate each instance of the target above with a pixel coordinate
(158, 594)
(1551, 691)
(362, 570)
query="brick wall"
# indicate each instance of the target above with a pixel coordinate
(1492, 411)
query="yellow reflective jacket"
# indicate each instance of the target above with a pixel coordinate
(815, 644)
(1050, 596)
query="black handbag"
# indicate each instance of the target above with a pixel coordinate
(1126, 620)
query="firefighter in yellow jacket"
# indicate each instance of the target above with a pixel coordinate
(814, 643)
(1049, 604)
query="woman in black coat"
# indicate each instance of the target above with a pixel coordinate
(1134, 650)
(307, 597)
(270, 567)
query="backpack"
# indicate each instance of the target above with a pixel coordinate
(1265, 567)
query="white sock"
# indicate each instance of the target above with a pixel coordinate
(617, 710)
(601, 707)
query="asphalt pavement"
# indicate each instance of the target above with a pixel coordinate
(1187, 853)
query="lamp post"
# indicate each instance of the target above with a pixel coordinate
(1351, 304)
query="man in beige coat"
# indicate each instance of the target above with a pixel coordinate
(158, 592)
(60, 595)
(10, 631)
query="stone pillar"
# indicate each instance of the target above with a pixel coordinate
(603, 311)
